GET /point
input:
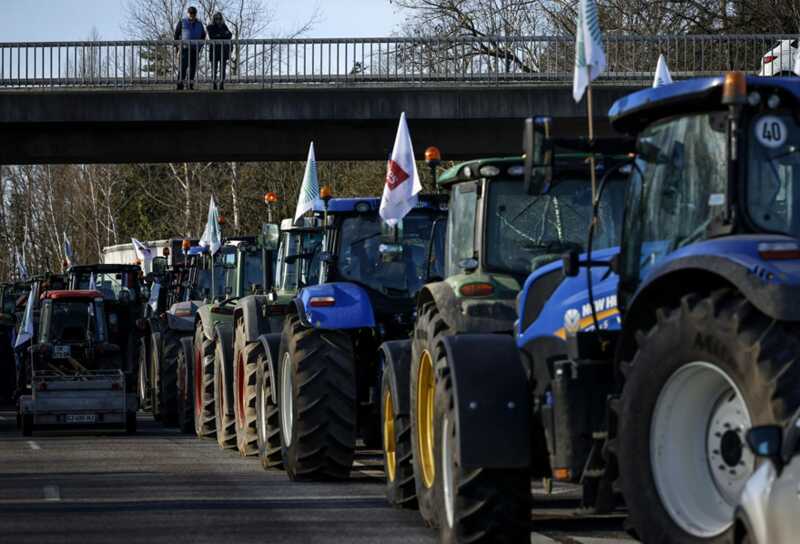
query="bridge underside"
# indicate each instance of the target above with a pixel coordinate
(349, 124)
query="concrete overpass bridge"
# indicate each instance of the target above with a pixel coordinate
(109, 102)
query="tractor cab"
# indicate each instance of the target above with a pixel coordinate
(298, 245)
(73, 334)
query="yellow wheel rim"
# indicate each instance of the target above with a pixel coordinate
(425, 392)
(389, 444)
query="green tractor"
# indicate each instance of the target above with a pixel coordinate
(248, 264)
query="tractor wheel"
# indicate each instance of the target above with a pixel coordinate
(167, 392)
(184, 386)
(317, 399)
(203, 374)
(397, 452)
(478, 504)
(143, 383)
(130, 423)
(223, 403)
(427, 364)
(705, 372)
(27, 425)
(154, 373)
(246, 359)
(267, 417)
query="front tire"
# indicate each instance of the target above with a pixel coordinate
(185, 387)
(246, 360)
(143, 381)
(267, 415)
(317, 398)
(225, 418)
(167, 392)
(397, 450)
(427, 364)
(702, 374)
(203, 373)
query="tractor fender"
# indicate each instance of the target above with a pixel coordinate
(249, 310)
(180, 316)
(493, 413)
(469, 316)
(224, 339)
(207, 322)
(352, 308)
(397, 355)
(271, 343)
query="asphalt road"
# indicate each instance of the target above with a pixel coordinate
(161, 486)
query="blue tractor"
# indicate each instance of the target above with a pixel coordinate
(708, 274)
(326, 368)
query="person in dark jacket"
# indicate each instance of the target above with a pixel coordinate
(219, 53)
(189, 28)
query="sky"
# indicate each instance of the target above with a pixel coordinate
(73, 20)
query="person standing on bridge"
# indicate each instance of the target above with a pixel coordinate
(219, 53)
(189, 31)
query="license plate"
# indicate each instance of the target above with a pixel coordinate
(81, 418)
(61, 352)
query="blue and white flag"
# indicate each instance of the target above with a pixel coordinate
(68, 253)
(212, 235)
(309, 190)
(590, 59)
(22, 267)
(26, 331)
(662, 77)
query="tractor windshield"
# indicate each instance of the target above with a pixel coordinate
(119, 286)
(773, 181)
(72, 322)
(293, 265)
(525, 231)
(398, 269)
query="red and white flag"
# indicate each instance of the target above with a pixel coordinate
(402, 178)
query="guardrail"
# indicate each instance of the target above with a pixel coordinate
(373, 61)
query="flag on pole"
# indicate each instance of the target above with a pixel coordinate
(143, 253)
(590, 59)
(309, 190)
(68, 253)
(662, 77)
(26, 329)
(402, 179)
(212, 236)
(22, 267)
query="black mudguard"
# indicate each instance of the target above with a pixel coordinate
(492, 396)
(272, 344)
(250, 309)
(397, 355)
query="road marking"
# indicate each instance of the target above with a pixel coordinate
(33, 445)
(51, 493)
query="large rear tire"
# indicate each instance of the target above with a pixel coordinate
(267, 415)
(427, 363)
(702, 374)
(245, 359)
(397, 450)
(317, 399)
(479, 505)
(167, 393)
(203, 373)
(223, 399)
(185, 390)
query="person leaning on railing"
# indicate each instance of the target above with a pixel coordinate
(219, 53)
(189, 29)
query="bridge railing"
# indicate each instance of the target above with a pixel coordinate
(373, 61)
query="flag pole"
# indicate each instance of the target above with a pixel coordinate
(590, 111)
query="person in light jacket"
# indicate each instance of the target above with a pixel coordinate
(189, 29)
(219, 53)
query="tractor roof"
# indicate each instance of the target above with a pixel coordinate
(345, 205)
(104, 268)
(636, 110)
(77, 294)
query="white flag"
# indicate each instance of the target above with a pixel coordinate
(796, 68)
(402, 179)
(309, 190)
(26, 329)
(590, 59)
(92, 283)
(663, 77)
(212, 237)
(68, 253)
(143, 253)
(22, 267)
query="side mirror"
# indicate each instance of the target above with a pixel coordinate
(571, 263)
(766, 441)
(538, 155)
(270, 236)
